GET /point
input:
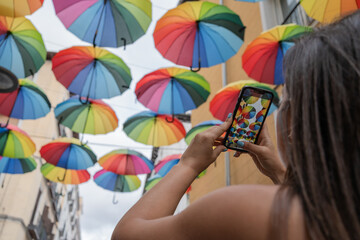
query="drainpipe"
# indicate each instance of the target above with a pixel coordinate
(227, 154)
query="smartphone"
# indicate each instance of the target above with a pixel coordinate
(250, 113)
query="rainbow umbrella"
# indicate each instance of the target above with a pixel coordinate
(15, 143)
(17, 165)
(154, 129)
(28, 101)
(69, 176)
(200, 128)
(68, 154)
(22, 49)
(263, 57)
(225, 100)
(107, 23)
(151, 182)
(116, 183)
(199, 34)
(329, 10)
(126, 162)
(91, 72)
(172, 90)
(167, 163)
(91, 116)
(19, 8)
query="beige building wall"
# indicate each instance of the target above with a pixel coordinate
(243, 170)
(19, 193)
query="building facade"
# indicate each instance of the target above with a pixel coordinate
(31, 207)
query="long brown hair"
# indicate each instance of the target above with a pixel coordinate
(322, 73)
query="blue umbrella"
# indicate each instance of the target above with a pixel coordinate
(17, 165)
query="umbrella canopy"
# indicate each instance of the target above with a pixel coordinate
(17, 165)
(126, 162)
(329, 10)
(107, 23)
(22, 50)
(86, 116)
(199, 34)
(28, 101)
(68, 153)
(65, 176)
(200, 128)
(91, 72)
(19, 8)
(263, 57)
(154, 129)
(172, 90)
(15, 143)
(8, 81)
(166, 164)
(225, 100)
(151, 182)
(115, 182)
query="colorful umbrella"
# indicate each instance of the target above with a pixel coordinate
(154, 129)
(15, 143)
(166, 164)
(199, 34)
(172, 90)
(68, 153)
(28, 101)
(225, 100)
(17, 165)
(107, 23)
(329, 10)
(19, 8)
(69, 176)
(263, 57)
(126, 162)
(91, 72)
(200, 128)
(22, 49)
(116, 183)
(151, 182)
(91, 116)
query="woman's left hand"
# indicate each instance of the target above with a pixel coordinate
(200, 154)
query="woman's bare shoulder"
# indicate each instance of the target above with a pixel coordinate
(241, 212)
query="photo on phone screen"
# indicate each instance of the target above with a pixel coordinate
(252, 108)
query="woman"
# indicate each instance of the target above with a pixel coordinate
(318, 140)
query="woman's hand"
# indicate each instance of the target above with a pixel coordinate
(266, 157)
(200, 153)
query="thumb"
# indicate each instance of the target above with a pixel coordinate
(253, 148)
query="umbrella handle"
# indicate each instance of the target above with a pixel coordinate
(63, 178)
(124, 40)
(86, 100)
(172, 119)
(195, 70)
(115, 201)
(6, 124)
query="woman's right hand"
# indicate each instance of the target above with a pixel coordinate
(266, 157)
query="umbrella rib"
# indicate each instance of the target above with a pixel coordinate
(97, 27)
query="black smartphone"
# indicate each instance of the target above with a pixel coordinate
(250, 113)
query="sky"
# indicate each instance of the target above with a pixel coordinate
(100, 215)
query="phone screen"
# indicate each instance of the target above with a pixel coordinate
(251, 111)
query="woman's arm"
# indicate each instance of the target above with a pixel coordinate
(162, 200)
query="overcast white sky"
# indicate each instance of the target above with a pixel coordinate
(99, 214)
